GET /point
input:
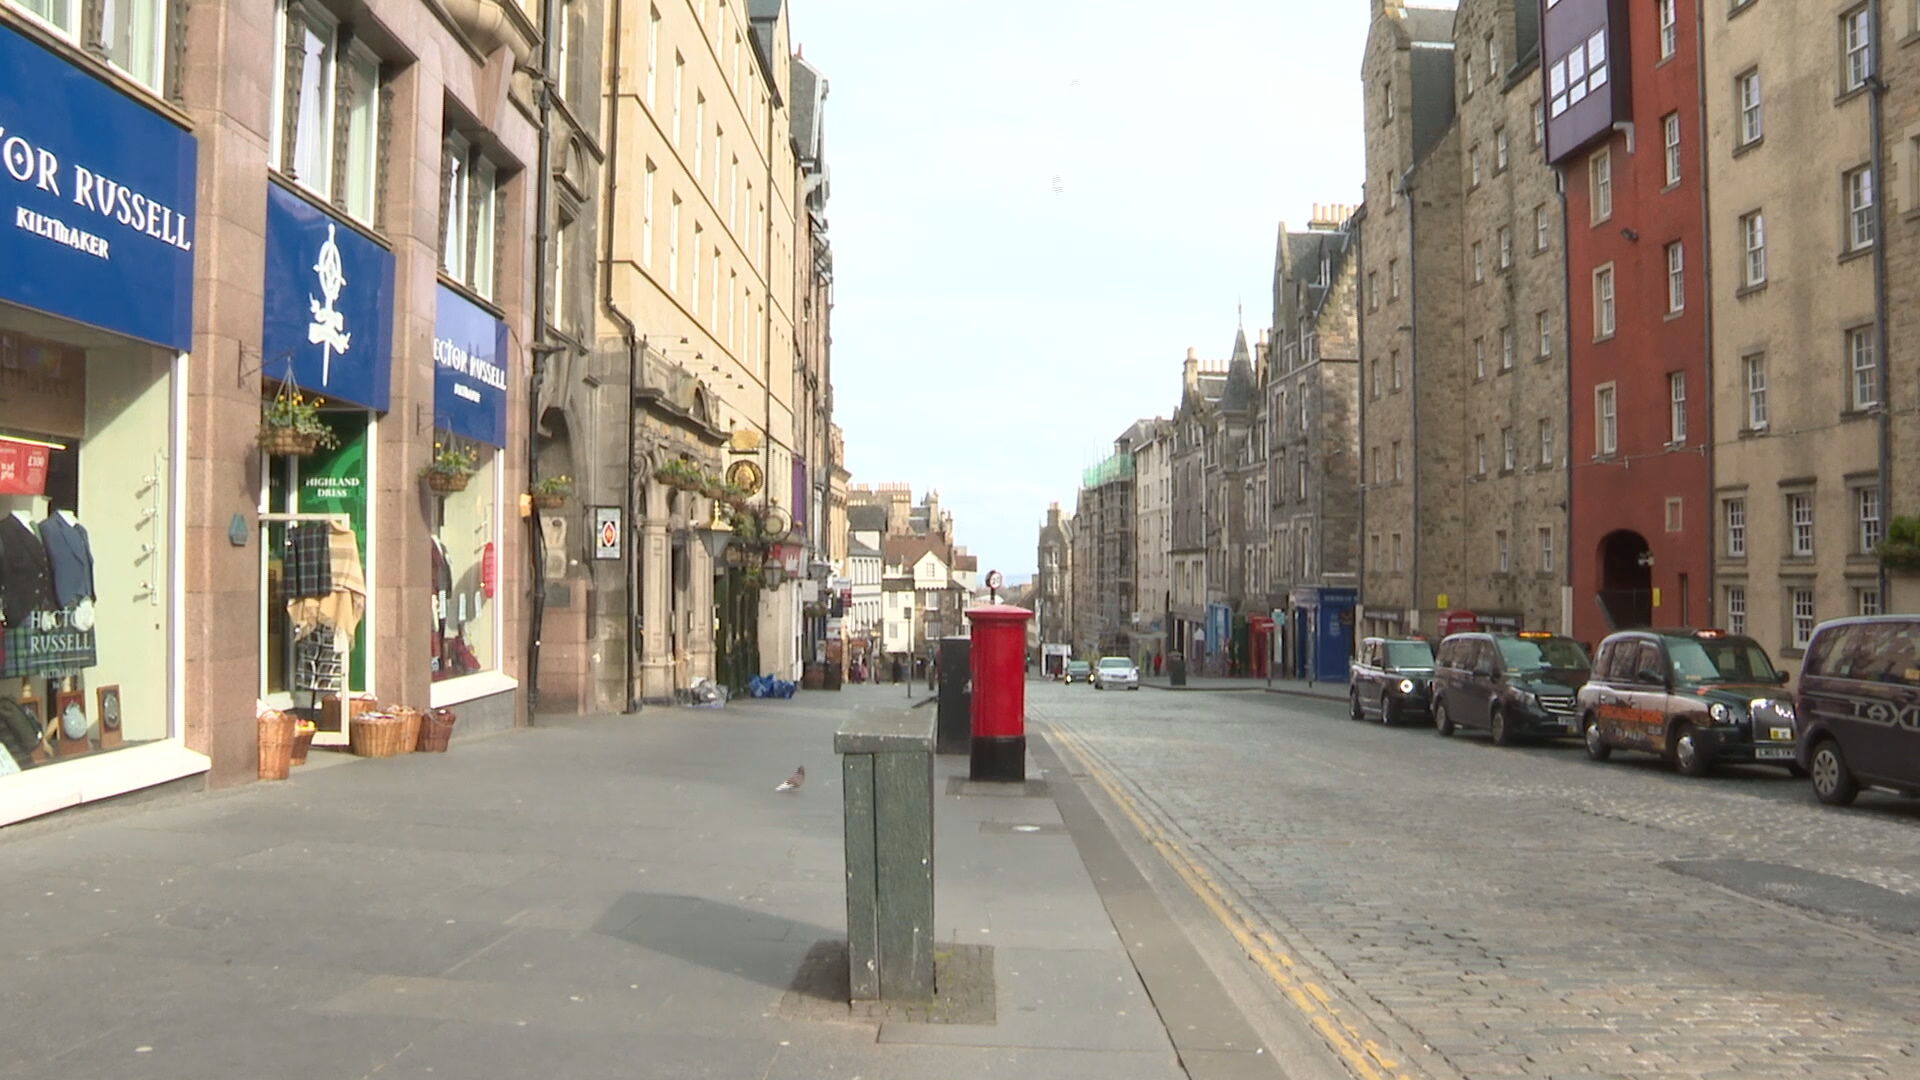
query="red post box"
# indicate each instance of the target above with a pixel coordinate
(999, 693)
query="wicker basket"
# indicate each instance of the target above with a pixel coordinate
(288, 442)
(374, 734)
(446, 483)
(276, 745)
(436, 728)
(330, 710)
(302, 742)
(409, 726)
(548, 501)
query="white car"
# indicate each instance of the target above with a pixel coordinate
(1116, 671)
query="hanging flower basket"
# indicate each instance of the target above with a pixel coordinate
(446, 483)
(1900, 551)
(451, 467)
(288, 442)
(291, 424)
(550, 493)
(549, 502)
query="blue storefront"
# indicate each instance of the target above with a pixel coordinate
(97, 215)
(1323, 631)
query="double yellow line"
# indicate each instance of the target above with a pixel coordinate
(1365, 1057)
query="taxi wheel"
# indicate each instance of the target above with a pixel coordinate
(1497, 727)
(1688, 756)
(1597, 747)
(1833, 782)
(1442, 719)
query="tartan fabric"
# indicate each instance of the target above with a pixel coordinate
(307, 568)
(52, 651)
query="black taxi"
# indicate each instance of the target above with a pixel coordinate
(1512, 685)
(1389, 680)
(1695, 697)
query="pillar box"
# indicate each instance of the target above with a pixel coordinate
(999, 693)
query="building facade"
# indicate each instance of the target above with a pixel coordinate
(1053, 579)
(1152, 538)
(1190, 456)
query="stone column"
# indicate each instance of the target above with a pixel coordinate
(656, 594)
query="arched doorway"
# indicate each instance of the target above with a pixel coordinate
(1626, 579)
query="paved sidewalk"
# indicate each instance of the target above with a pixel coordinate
(1216, 684)
(600, 897)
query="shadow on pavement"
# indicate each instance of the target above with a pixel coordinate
(722, 937)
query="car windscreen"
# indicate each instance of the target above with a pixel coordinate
(1115, 663)
(1410, 655)
(1079, 665)
(1534, 654)
(1725, 660)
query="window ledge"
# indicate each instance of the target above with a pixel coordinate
(1796, 560)
(1598, 338)
(1740, 8)
(59, 785)
(1793, 654)
(1753, 432)
(1755, 289)
(1855, 253)
(1670, 187)
(1845, 96)
(1672, 315)
(471, 688)
(1745, 148)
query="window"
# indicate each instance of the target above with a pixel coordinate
(1677, 407)
(467, 213)
(1375, 366)
(1300, 469)
(1541, 236)
(1506, 348)
(673, 245)
(1373, 290)
(1399, 554)
(1606, 429)
(1466, 63)
(1479, 262)
(653, 54)
(336, 113)
(1500, 156)
(1866, 512)
(1801, 601)
(1539, 125)
(699, 137)
(1546, 549)
(1866, 601)
(699, 237)
(1545, 325)
(1603, 302)
(1480, 455)
(1736, 605)
(466, 533)
(1862, 371)
(1399, 463)
(1505, 236)
(1600, 184)
(1378, 476)
(1581, 71)
(679, 86)
(1856, 45)
(1800, 521)
(1393, 278)
(646, 214)
(1399, 379)
(1676, 278)
(1860, 223)
(1503, 551)
(1669, 31)
(1753, 232)
(1546, 442)
(1670, 129)
(1747, 87)
(1509, 450)
(1386, 92)
(130, 34)
(1676, 509)
(1473, 160)
(1493, 58)
(1756, 371)
(1735, 511)
(1479, 358)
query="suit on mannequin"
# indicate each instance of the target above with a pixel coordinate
(71, 558)
(26, 580)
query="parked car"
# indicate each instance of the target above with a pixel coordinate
(1859, 707)
(1116, 671)
(1079, 671)
(1390, 680)
(1695, 697)
(1512, 685)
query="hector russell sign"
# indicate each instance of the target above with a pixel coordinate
(96, 196)
(469, 370)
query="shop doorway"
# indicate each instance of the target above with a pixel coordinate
(1626, 579)
(737, 600)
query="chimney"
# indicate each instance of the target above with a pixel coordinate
(1328, 218)
(1190, 370)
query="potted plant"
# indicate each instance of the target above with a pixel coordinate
(1901, 549)
(679, 473)
(550, 493)
(450, 468)
(290, 425)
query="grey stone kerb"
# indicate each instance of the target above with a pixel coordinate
(886, 766)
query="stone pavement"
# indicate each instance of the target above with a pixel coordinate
(597, 897)
(1524, 912)
(1218, 684)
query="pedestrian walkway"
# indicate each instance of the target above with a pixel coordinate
(1217, 684)
(619, 896)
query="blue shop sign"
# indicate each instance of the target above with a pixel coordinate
(329, 304)
(469, 370)
(96, 200)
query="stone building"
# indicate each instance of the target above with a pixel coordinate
(1191, 454)
(1103, 579)
(1311, 421)
(1512, 274)
(1152, 537)
(1233, 474)
(1900, 224)
(1797, 221)
(1413, 507)
(1053, 579)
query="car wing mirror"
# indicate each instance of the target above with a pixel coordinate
(1782, 678)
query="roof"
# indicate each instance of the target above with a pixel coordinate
(809, 93)
(1425, 25)
(966, 562)
(1432, 104)
(867, 517)
(907, 550)
(862, 551)
(1237, 394)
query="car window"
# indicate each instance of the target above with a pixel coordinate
(1533, 654)
(1606, 663)
(1719, 660)
(1637, 658)
(1873, 652)
(1410, 655)
(1115, 663)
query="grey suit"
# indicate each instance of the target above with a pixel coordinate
(71, 556)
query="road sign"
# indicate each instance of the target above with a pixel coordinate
(607, 532)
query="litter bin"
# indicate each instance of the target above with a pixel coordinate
(1177, 668)
(886, 768)
(955, 730)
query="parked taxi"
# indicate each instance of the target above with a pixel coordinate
(1695, 697)
(1512, 685)
(1390, 680)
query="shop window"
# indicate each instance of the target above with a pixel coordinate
(465, 543)
(311, 645)
(327, 111)
(85, 507)
(470, 209)
(132, 34)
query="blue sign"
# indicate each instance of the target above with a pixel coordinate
(469, 370)
(96, 201)
(329, 304)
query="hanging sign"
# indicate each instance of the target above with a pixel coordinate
(23, 468)
(469, 370)
(96, 197)
(329, 304)
(607, 529)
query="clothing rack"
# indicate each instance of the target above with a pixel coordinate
(342, 652)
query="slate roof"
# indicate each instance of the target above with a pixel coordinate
(867, 518)
(860, 550)
(907, 550)
(1238, 392)
(1305, 250)
(1425, 25)
(807, 89)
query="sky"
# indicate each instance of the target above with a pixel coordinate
(1039, 205)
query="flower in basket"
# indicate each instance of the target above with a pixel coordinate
(1901, 549)
(554, 485)
(293, 411)
(451, 461)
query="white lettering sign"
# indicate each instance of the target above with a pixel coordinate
(25, 163)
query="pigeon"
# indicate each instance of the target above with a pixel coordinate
(792, 783)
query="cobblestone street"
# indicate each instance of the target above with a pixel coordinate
(1526, 912)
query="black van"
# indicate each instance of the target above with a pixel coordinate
(1859, 707)
(1512, 685)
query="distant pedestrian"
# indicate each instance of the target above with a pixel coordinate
(1156, 665)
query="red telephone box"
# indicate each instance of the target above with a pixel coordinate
(999, 662)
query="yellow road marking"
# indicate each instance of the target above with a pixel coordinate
(1367, 1059)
